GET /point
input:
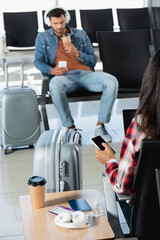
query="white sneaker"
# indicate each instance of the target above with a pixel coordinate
(100, 130)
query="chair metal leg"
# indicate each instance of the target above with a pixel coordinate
(44, 117)
(3, 64)
(43, 103)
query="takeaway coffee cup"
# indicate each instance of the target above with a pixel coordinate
(37, 191)
(66, 38)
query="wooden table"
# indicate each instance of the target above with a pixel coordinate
(38, 224)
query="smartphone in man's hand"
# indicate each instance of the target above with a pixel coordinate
(98, 140)
(62, 64)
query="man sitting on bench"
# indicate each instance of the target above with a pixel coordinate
(67, 56)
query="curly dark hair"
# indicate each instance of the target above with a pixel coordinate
(56, 12)
(149, 102)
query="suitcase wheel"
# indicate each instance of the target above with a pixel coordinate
(31, 146)
(7, 149)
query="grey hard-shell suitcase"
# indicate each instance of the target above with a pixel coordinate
(20, 118)
(58, 159)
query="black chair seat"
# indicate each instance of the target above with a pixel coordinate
(81, 96)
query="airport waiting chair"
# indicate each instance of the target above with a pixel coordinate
(134, 19)
(93, 20)
(157, 173)
(156, 17)
(72, 22)
(128, 115)
(156, 39)
(21, 30)
(145, 213)
(146, 198)
(125, 55)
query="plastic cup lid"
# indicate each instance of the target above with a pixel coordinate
(36, 181)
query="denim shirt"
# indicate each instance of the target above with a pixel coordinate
(46, 48)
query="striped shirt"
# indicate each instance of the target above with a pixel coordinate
(120, 173)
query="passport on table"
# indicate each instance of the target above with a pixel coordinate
(79, 205)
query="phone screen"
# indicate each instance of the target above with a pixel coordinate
(62, 64)
(98, 140)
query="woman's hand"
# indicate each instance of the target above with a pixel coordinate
(104, 155)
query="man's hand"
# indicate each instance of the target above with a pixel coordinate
(58, 71)
(104, 155)
(70, 48)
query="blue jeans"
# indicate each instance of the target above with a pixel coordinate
(91, 81)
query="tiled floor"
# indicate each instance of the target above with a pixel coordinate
(16, 167)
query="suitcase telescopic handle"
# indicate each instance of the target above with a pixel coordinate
(21, 64)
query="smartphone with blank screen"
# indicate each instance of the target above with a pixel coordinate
(98, 140)
(62, 64)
